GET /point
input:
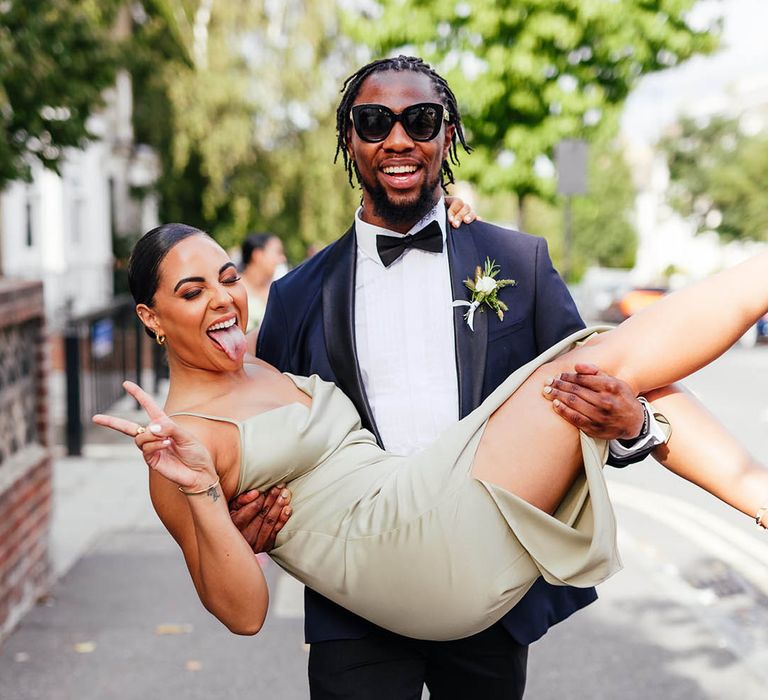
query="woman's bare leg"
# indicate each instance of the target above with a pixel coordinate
(705, 453)
(527, 449)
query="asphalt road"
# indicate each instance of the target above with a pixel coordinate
(687, 619)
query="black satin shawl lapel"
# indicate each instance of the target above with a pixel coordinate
(339, 325)
(470, 346)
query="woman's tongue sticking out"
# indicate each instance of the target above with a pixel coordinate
(231, 340)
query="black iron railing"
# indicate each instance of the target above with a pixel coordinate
(101, 349)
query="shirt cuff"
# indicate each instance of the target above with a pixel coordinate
(658, 433)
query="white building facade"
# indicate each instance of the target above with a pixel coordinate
(60, 228)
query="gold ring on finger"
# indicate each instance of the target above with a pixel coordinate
(141, 429)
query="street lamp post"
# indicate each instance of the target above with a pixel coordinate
(571, 165)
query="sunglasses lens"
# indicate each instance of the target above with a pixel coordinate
(372, 123)
(422, 122)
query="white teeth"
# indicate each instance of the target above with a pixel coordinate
(398, 169)
(223, 324)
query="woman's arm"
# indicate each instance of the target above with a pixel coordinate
(187, 495)
(224, 570)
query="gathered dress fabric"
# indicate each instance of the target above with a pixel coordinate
(416, 544)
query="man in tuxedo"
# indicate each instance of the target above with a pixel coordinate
(373, 312)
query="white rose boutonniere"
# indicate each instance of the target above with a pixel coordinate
(485, 290)
(485, 285)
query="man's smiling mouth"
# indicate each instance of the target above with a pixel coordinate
(399, 169)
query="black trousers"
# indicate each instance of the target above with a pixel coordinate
(385, 666)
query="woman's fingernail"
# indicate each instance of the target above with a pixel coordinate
(467, 219)
(284, 494)
(556, 403)
(166, 442)
(155, 428)
(288, 511)
(549, 381)
(547, 389)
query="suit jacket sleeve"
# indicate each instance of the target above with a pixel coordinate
(273, 341)
(555, 313)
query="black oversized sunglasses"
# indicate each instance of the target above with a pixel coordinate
(421, 122)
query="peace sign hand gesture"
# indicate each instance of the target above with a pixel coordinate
(167, 448)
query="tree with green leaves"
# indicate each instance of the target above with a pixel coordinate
(531, 73)
(238, 100)
(56, 58)
(719, 178)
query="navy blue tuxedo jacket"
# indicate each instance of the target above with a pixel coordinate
(308, 328)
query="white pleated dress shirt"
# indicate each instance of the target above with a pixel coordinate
(405, 341)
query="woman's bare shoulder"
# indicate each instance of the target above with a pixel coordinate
(254, 362)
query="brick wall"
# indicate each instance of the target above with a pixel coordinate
(25, 465)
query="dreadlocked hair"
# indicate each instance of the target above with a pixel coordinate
(351, 87)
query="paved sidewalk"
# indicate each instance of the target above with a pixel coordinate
(124, 621)
(94, 496)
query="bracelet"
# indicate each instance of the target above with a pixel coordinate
(761, 513)
(205, 490)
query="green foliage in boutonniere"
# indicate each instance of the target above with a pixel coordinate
(485, 287)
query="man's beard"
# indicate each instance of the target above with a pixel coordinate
(404, 214)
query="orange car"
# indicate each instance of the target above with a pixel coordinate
(631, 302)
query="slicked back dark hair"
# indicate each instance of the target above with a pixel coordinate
(352, 86)
(144, 264)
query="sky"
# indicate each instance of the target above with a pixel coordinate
(703, 81)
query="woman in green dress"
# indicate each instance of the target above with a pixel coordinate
(438, 545)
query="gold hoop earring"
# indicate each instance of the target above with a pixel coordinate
(160, 339)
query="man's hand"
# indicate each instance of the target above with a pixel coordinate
(601, 406)
(260, 516)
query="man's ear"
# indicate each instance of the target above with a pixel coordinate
(350, 150)
(149, 318)
(449, 131)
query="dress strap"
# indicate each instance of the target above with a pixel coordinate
(207, 416)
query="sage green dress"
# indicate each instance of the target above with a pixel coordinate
(415, 544)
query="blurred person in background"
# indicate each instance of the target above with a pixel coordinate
(262, 257)
(373, 313)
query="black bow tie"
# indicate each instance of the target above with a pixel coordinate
(390, 248)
